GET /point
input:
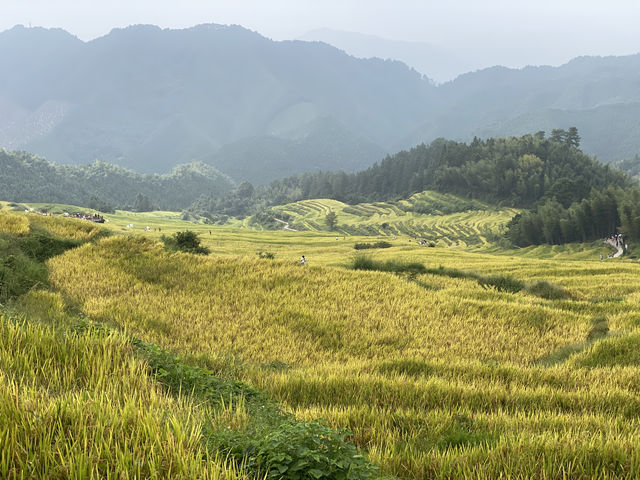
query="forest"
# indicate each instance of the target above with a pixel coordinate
(28, 178)
(524, 172)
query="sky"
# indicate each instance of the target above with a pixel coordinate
(507, 32)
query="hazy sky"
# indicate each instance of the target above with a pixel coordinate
(510, 32)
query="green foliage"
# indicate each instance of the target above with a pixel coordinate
(96, 204)
(22, 259)
(269, 219)
(518, 172)
(364, 262)
(310, 450)
(601, 214)
(101, 186)
(19, 274)
(269, 440)
(266, 255)
(331, 219)
(186, 241)
(142, 203)
(365, 246)
(501, 282)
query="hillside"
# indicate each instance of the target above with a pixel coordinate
(84, 399)
(436, 376)
(28, 178)
(517, 172)
(149, 99)
(438, 219)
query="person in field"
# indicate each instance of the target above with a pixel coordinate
(303, 260)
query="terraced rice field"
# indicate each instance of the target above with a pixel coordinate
(437, 377)
(462, 228)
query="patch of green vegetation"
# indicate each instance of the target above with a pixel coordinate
(186, 241)
(261, 437)
(22, 261)
(501, 282)
(364, 262)
(365, 246)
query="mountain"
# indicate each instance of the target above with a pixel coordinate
(149, 99)
(438, 63)
(598, 95)
(28, 178)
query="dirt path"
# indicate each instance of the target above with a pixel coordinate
(286, 225)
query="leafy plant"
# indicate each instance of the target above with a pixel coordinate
(186, 241)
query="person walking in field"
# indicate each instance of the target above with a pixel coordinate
(303, 260)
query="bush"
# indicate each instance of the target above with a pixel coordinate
(267, 255)
(364, 262)
(186, 241)
(364, 246)
(310, 450)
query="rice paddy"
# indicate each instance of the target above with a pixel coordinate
(436, 376)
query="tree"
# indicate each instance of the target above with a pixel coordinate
(142, 203)
(331, 220)
(558, 135)
(572, 137)
(186, 241)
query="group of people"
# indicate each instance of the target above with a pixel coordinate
(616, 240)
(92, 217)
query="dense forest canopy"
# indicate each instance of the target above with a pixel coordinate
(601, 214)
(515, 171)
(28, 178)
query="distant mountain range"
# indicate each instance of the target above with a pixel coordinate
(149, 99)
(438, 63)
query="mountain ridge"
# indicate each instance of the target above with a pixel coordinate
(148, 99)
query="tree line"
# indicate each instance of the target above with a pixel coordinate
(601, 214)
(520, 172)
(28, 178)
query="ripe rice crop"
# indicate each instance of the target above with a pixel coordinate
(437, 377)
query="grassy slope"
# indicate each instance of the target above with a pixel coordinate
(442, 382)
(76, 401)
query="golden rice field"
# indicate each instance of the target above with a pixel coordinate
(461, 228)
(82, 406)
(437, 377)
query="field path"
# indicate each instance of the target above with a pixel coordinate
(286, 225)
(613, 244)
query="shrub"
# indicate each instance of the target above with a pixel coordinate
(364, 262)
(364, 246)
(186, 241)
(302, 450)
